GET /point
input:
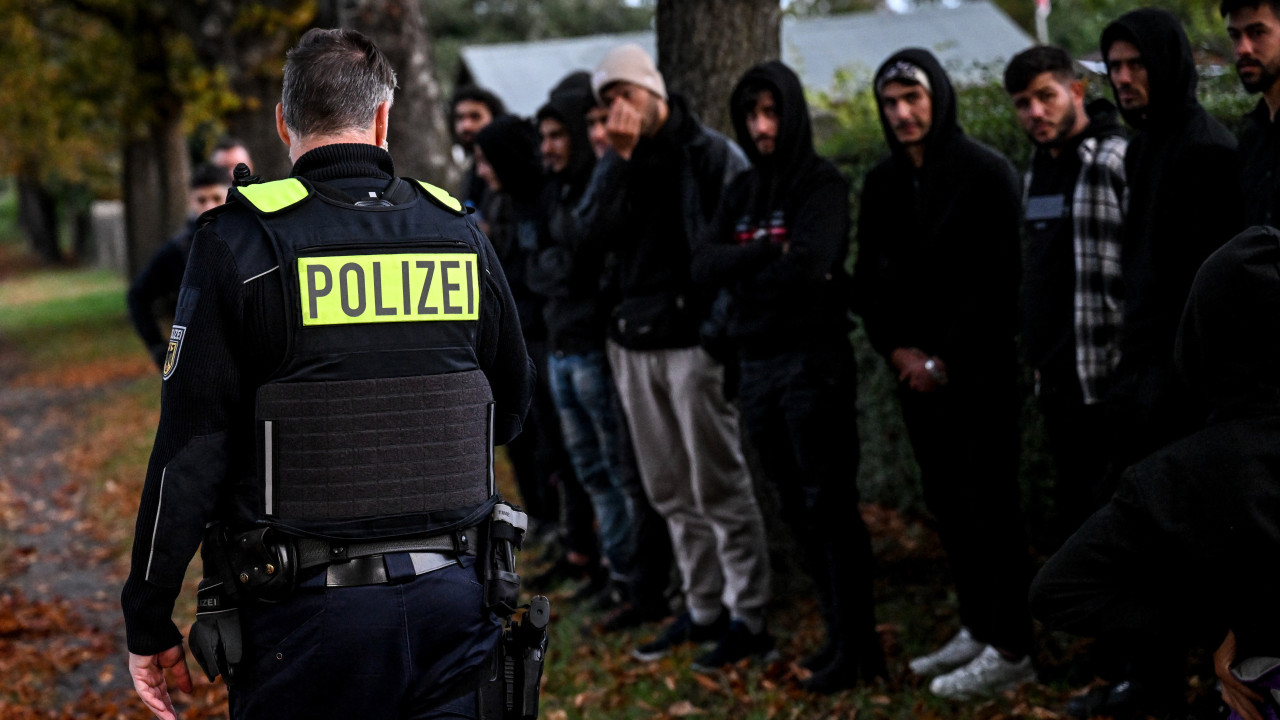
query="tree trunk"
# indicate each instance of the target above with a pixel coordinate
(155, 189)
(418, 134)
(704, 47)
(38, 218)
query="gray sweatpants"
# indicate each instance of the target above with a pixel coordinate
(689, 454)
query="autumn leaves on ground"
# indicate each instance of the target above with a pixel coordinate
(78, 408)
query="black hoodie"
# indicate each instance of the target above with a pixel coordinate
(510, 145)
(1184, 202)
(782, 301)
(564, 270)
(938, 246)
(1188, 543)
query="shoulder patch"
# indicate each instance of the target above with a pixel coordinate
(442, 198)
(273, 197)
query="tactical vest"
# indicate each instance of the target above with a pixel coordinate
(377, 424)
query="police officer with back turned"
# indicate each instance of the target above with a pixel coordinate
(345, 353)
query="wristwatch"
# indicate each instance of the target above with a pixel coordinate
(931, 365)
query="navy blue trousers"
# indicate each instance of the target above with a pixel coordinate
(396, 650)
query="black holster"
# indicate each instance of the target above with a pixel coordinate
(512, 689)
(497, 567)
(215, 637)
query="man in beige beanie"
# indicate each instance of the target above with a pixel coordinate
(651, 196)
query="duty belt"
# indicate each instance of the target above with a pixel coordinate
(371, 563)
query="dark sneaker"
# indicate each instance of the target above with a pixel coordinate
(845, 671)
(683, 630)
(738, 643)
(630, 615)
(561, 571)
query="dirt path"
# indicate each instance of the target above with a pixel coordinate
(58, 585)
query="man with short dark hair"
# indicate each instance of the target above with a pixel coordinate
(650, 197)
(1254, 27)
(1072, 295)
(472, 109)
(779, 243)
(229, 152)
(344, 355)
(936, 284)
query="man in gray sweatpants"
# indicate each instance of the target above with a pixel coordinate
(650, 197)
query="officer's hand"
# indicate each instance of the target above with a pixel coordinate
(1235, 694)
(623, 127)
(149, 682)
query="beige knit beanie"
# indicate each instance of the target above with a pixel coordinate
(628, 63)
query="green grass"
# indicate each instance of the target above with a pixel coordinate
(63, 317)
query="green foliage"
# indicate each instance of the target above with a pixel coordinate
(1077, 24)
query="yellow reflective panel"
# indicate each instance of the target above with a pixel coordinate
(443, 196)
(409, 287)
(273, 196)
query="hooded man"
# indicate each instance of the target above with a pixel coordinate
(1184, 202)
(936, 284)
(779, 243)
(1185, 547)
(1254, 28)
(651, 196)
(1071, 292)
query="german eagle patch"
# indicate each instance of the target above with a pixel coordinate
(175, 349)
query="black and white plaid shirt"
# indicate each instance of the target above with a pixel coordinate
(1098, 212)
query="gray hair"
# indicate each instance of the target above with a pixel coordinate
(334, 81)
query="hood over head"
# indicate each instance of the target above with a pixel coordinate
(510, 145)
(569, 102)
(1229, 341)
(794, 147)
(1166, 55)
(942, 96)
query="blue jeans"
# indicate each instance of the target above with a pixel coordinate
(584, 394)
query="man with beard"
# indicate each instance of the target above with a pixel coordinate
(472, 109)
(936, 284)
(1254, 27)
(1071, 292)
(779, 243)
(1184, 201)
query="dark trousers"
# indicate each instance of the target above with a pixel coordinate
(537, 454)
(798, 410)
(1080, 445)
(395, 650)
(967, 445)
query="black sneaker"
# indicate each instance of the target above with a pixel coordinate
(683, 630)
(738, 643)
(630, 615)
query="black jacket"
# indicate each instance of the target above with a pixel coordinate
(510, 145)
(1049, 284)
(938, 246)
(1189, 541)
(782, 300)
(1184, 202)
(156, 287)
(649, 211)
(234, 342)
(564, 270)
(1260, 174)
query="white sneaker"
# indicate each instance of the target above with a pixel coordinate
(959, 651)
(988, 674)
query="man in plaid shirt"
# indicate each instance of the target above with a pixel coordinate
(1071, 294)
